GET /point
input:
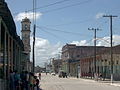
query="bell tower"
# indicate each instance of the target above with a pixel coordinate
(26, 35)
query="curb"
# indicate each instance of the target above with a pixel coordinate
(115, 85)
(87, 80)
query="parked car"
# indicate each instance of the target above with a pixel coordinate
(60, 74)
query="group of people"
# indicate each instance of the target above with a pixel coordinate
(23, 81)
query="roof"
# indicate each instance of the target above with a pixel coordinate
(26, 20)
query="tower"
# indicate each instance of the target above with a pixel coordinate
(26, 36)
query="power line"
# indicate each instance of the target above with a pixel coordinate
(105, 40)
(100, 24)
(47, 11)
(73, 33)
(52, 4)
(76, 4)
(48, 5)
(75, 22)
(89, 41)
(61, 31)
(52, 34)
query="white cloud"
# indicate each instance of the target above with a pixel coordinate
(99, 15)
(44, 50)
(29, 15)
(80, 43)
(105, 41)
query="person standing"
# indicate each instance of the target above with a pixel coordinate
(17, 80)
(40, 75)
(32, 81)
(26, 80)
(36, 87)
(12, 84)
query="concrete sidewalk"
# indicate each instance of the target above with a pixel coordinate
(115, 83)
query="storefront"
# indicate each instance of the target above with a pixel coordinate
(10, 54)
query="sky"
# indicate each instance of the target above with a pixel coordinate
(67, 21)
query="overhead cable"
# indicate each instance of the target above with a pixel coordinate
(45, 6)
(73, 33)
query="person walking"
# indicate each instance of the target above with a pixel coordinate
(40, 75)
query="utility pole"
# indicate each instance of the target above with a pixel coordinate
(111, 40)
(33, 56)
(95, 30)
(34, 30)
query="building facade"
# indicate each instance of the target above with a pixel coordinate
(103, 64)
(11, 47)
(56, 65)
(72, 56)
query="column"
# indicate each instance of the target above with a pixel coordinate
(8, 51)
(19, 64)
(0, 38)
(4, 57)
(11, 63)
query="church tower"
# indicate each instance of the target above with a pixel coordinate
(26, 35)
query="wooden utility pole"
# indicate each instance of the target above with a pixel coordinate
(111, 40)
(34, 30)
(95, 30)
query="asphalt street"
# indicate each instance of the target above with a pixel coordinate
(49, 82)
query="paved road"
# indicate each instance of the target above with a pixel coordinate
(50, 82)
